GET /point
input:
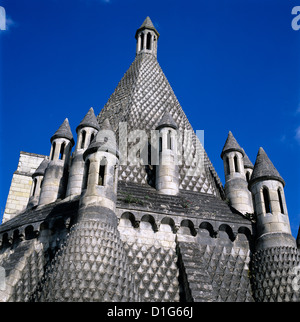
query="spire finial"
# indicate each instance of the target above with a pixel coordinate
(146, 37)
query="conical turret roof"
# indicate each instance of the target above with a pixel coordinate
(264, 169)
(105, 140)
(41, 168)
(89, 120)
(147, 24)
(64, 131)
(231, 145)
(167, 120)
(247, 162)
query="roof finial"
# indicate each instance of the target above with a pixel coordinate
(146, 37)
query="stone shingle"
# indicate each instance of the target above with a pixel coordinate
(64, 131)
(264, 169)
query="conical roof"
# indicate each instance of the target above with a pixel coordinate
(105, 140)
(89, 120)
(147, 24)
(166, 121)
(139, 102)
(41, 168)
(64, 131)
(247, 162)
(231, 145)
(264, 169)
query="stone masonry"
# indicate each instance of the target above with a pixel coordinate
(21, 184)
(98, 226)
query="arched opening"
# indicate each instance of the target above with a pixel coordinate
(83, 136)
(16, 237)
(228, 230)
(29, 232)
(127, 219)
(5, 241)
(86, 174)
(169, 141)
(34, 186)
(246, 232)
(92, 137)
(53, 150)
(62, 151)
(267, 200)
(280, 201)
(160, 144)
(227, 166)
(148, 41)
(236, 164)
(248, 176)
(168, 223)
(187, 227)
(148, 222)
(102, 168)
(208, 226)
(142, 41)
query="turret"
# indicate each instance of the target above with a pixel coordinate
(267, 187)
(37, 180)
(248, 167)
(86, 131)
(167, 173)
(91, 264)
(56, 174)
(146, 38)
(98, 198)
(275, 261)
(236, 186)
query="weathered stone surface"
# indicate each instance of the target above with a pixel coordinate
(92, 237)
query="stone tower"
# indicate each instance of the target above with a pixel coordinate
(167, 173)
(236, 186)
(276, 259)
(86, 131)
(37, 179)
(89, 271)
(101, 176)
(56, 174)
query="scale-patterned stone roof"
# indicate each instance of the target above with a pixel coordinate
(190, 247)
(141, 99)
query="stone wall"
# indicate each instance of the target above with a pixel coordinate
(19, 191)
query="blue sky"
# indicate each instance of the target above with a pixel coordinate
(233, 65)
